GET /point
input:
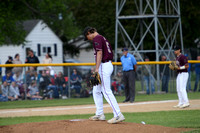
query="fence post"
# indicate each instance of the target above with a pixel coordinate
(25, 84)
(69, 89)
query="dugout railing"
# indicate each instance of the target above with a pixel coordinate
(140, 85)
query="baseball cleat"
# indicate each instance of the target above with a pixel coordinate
(185, 105)
(117, 119)
(177, 106)
(98, 118)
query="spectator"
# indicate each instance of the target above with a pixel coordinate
(0, 70)
(117, 84)
(32, 58)
(18, 78)
(5, 91)
(164, 71)
(47, 60)
(51, 77)
(9, 61)
(61, 85)
(14, 90)
(52, 85)
(3, 98)
(39, 75)
(197, 71)
(88, 80)
(45, 86)
(34, 91)
(149, 71)
(31, 75)
(76, 82)
(8, 78)
(129, 69)
(17, 61)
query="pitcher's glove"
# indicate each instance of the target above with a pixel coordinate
(173, 65)
(95, 79)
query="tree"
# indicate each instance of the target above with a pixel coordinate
(56, 14)
(99, 14)
(67, 18)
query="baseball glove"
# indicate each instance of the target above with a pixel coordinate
(173, 65)
(95, 79)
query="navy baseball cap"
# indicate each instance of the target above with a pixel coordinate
(177, 47)
(125, 49)
(85, 31)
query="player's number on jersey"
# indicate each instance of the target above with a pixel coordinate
(107, 44)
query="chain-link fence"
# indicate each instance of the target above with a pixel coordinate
(66, 80)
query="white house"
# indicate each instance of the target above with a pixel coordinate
(41, 39)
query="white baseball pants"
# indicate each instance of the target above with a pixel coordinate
(181, 83)
(105, 71)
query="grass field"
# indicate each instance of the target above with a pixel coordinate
(182, 118)
(84, 101)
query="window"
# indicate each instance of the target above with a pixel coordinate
(47, 49)
(44, 50)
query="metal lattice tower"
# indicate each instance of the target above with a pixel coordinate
(150, 21)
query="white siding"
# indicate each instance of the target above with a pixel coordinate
(10, 50)
(41, 34)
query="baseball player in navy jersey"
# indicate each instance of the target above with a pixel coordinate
(103, 58)
(182, 78)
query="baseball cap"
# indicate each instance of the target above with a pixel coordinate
(125, 49)
(85, 31)
(177, 47)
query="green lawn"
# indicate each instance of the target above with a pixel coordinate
(182, 118)
(85, 101)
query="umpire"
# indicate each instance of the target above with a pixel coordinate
(129, 69)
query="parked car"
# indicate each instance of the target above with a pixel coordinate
(82, 70)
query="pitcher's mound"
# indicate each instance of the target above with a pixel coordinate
(86, 126)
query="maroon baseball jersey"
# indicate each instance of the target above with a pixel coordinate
(181, 60)
(101, 43)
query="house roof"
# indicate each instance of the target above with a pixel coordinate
(79, 42)
(29, 25)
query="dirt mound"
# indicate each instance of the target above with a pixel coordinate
(86, 126)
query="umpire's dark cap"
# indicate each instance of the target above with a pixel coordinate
(125, 49)
(85, 31)
(177, 47)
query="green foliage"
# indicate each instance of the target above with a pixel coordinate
(56, 14)
(10, 28)
(190, 21)
(77, 14)
(99, 14)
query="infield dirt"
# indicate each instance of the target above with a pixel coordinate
(86, 126)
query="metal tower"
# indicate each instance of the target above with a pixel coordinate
(148, 26)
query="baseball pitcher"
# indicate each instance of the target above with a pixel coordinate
(104, 68)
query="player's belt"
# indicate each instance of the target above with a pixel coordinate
(105, 61)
